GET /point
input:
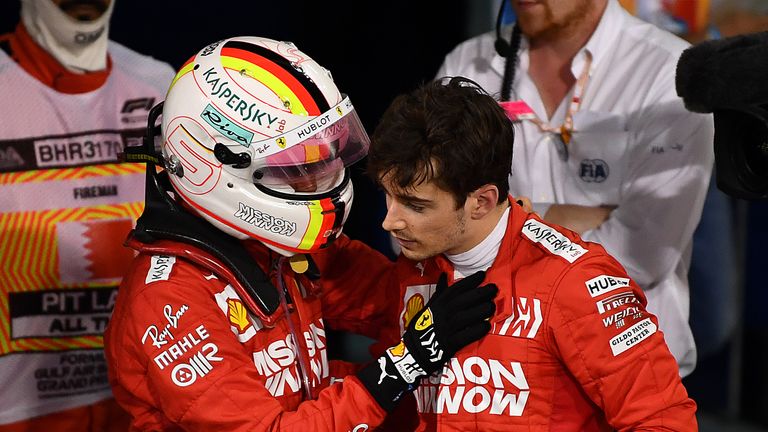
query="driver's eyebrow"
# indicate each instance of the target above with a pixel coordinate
(402, 194)
(413, 199)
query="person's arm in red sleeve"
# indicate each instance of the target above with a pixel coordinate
(360, 290)
(210, 382)
(614, 349)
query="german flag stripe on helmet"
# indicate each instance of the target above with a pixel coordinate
(272, 82)
(188, 66)
(322, 219)
(304, 88)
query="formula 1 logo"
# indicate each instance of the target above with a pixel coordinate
(10, 158)
(132, 105)
(185, 374)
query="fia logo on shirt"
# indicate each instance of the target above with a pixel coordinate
(593, 170)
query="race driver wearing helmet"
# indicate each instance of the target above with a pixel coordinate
(221, 321)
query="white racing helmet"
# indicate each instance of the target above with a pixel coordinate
(257, 140)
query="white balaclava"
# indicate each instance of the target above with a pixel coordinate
(80, 46)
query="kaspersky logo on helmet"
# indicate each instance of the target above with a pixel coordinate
(221, 89)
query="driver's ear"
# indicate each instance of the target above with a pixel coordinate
(482, 201)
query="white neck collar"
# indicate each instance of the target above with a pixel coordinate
(480, 257)
(80, 46)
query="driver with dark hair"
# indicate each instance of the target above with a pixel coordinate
(572, 346)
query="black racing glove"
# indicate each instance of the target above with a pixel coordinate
(454, 317)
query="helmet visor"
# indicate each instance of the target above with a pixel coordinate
(312, 157)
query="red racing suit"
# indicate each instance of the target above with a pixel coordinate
(185, 353)
(571, 348)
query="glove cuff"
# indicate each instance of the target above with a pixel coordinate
(384, 383)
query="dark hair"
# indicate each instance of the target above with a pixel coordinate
(449, 131)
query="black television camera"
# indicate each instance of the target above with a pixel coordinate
(729, 78)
